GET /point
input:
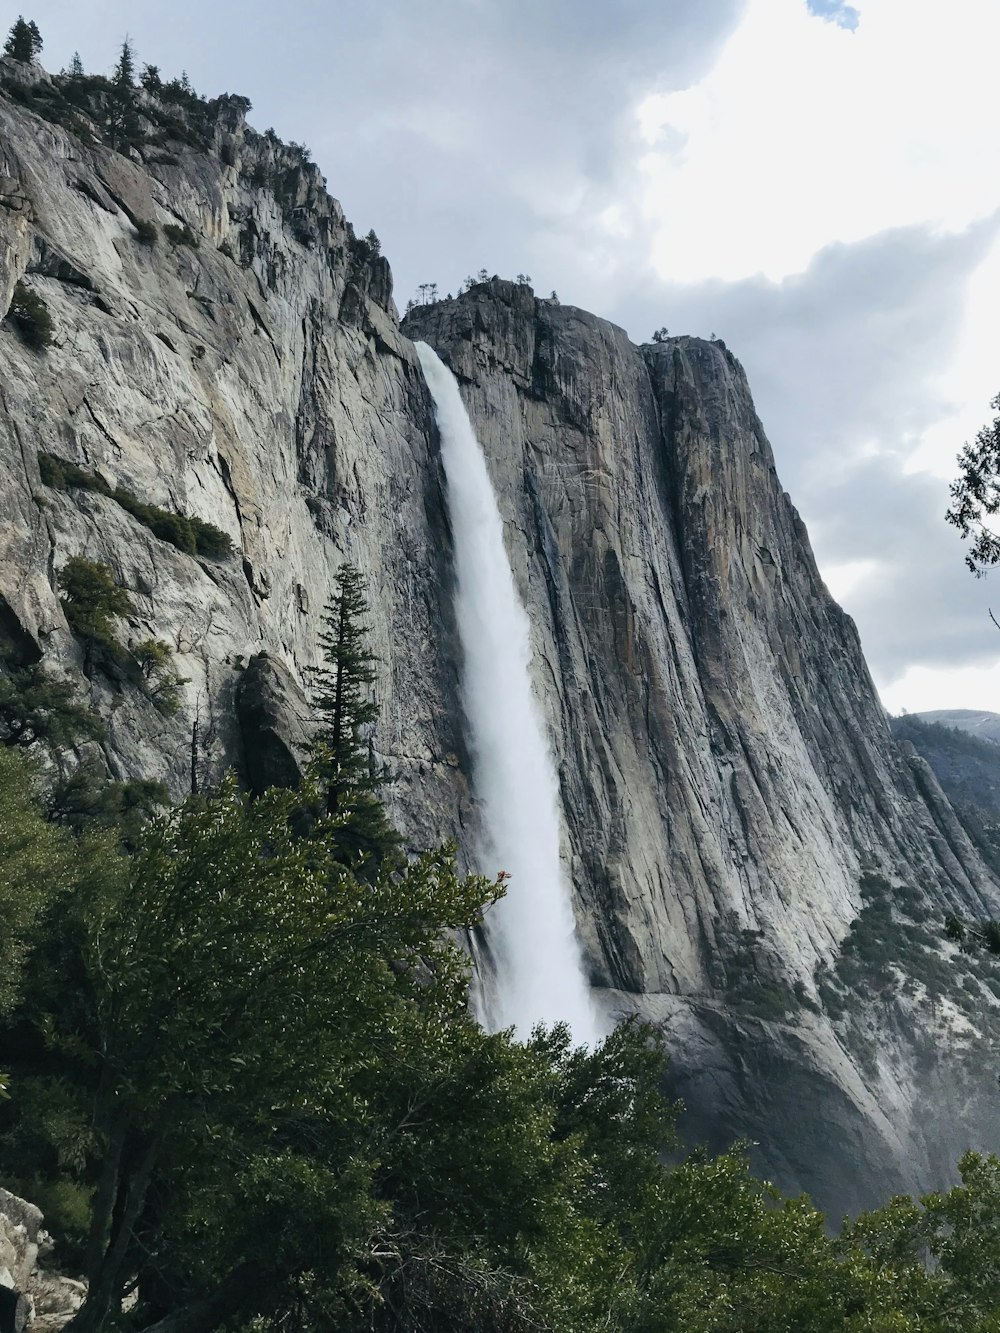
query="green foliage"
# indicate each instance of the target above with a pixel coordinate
(180, 235)
(31, 317)
(191, 535)
(753, 983)
(123, 113)
(236, 987)
(365, 248)
(247, 1084)
(146, 232)
(975, 495)
(85, 799)
(24, 41)
(347, 713)
(38, 709)
(92, 601)
(163, 682)
(33, 864)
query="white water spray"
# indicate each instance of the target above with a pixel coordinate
(540, 974)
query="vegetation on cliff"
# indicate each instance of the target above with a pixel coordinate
(244, 1082)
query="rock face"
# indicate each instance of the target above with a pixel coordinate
(29, 1296)
(727, 772)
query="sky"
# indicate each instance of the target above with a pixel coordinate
(812, 181)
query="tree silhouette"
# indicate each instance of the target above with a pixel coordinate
(24, 41)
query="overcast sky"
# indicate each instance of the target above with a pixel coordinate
(815, 182)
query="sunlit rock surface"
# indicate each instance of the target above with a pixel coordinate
(727, 773)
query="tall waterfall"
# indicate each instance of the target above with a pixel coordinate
(531, 932)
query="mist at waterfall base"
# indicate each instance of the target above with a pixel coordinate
(531, 932)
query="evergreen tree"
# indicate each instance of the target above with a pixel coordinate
(123, 118)
(76, 70)
(347, 712)
(24, 42)
(92, 600)
(150, 79)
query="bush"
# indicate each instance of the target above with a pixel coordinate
(145, 232)
(39, 709)
(192, 535)
(163, 683)
(93, 601)
(31, 317)
(180, 235)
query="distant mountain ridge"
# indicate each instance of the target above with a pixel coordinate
(986, 726)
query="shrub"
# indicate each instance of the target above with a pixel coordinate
(92, 602)
(163, 683)
(31, 317)
(192, 535)
(180, 235)
(145, 232)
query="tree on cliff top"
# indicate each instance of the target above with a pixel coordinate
(123, 114)
(24, 42)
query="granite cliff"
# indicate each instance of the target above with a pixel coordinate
(737, 813)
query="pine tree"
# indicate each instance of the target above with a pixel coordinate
(24, 41)
(76, 70)
(347, 711)
(123, 120)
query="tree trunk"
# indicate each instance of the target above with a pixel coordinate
(105, 1273)
(244, 1290)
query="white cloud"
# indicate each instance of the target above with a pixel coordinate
(805, 132)
(922, 688)
(843, 577)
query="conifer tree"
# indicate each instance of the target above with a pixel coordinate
(123, 120)
(346, 711)
(24, 42)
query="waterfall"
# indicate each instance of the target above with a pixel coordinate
(531, 932)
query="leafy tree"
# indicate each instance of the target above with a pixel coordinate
(24, 42)
(86, 799)
(236, 985)
(150, 79)
(92, 601)
(33, 862)
(347, 712)
(976, 495)
(660, 335)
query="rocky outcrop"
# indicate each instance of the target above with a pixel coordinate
(29, 1295)
(727, 772)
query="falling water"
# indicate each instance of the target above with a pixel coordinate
(539, 976)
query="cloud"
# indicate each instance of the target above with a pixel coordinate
(848, 365)
(810, 179)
